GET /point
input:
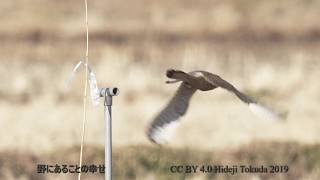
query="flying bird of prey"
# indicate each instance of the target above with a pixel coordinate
(164, 124)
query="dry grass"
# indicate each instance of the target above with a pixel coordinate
(119, 20)
(268, 49)
(146, 162)
(282, 76)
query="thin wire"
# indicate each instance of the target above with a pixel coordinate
(85, 92)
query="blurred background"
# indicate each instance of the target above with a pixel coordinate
(268, 49)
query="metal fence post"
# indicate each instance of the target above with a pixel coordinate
(108, 93)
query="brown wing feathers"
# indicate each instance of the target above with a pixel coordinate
(163, 125)
(176, 108)
(218, 81)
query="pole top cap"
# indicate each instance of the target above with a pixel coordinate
(113, 91)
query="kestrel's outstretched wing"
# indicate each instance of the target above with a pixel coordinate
(166, 121)
(256, 108)
(219, 82)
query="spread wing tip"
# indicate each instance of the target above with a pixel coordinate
(162, 134)
(266, 113)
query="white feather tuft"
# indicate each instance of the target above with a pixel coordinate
(162, 135)
(263, 112)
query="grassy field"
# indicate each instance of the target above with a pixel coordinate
(119, 20)
(145, 162)
(268, 49)
(283, 77)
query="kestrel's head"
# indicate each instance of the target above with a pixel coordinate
(177, 75)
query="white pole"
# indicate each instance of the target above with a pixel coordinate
(108, 143)
(107, 93)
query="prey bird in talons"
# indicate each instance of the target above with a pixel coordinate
(164, 124)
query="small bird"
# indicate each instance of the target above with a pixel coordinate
(165, 123)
